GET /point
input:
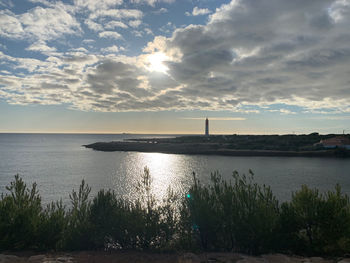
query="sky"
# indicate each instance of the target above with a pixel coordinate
(163, 66)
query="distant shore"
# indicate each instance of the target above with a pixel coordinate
(200, 149)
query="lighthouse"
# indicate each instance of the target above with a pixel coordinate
(206, 127)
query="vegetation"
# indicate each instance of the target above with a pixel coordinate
(237, 215)
(288, 142)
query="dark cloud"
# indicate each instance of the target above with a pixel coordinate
(265, 51)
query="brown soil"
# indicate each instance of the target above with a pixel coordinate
(123, 257)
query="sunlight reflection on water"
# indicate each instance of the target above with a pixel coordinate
(166, 171)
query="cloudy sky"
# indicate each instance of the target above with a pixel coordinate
(161, 66)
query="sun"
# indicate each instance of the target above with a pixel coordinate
(155, 62)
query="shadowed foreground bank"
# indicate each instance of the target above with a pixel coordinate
(147, 257)
(237, 216)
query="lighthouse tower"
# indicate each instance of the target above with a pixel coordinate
(206, 127)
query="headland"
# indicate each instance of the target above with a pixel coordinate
(231, 145)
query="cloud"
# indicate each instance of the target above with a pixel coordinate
(137, 33)
(41, 46)
(114, 24)
(283, 111)
(162, 10)
(88, 41)
(198, 11)
(39, 23)
(110, 34)
(249, 55)
(93, 25)
(135, 23)
(117, 14)
(151, 2)
(111, 49)
(93, 5)
(6, 3)
(241, 56)
(10, 26)
(80, 49)
(148, 31)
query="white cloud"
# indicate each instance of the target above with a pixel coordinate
(111, 49)
(286, 111)
(93, 5)
(283, 111)
(162, 10)
(41, 46)
(39, 23)
(117, 14)
(43, 2)
(93, 25)
(148, 31)
(110, 34)
(114, 24)
(88, 41)
(338, 10)
(135, 23)
(137, 33)
(49, 23)
(10, 26)
(79, 49)
(198, 11)
(151, 2)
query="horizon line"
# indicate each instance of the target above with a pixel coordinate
(147, 133)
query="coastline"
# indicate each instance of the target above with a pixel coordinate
(200, 149)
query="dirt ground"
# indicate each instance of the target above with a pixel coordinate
(124, 257)
(145, 257)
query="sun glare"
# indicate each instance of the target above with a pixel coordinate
(155, 62)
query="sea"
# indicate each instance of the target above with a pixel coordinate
(59, 162)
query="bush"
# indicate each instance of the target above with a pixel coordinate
(78, 232)
(53, 224)
(142, 224)
(316, 223)
(239, 216)
(20, 216)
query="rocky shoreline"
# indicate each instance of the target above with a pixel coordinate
(142, 257)
(199, 148)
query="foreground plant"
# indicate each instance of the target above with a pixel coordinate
(236, 215)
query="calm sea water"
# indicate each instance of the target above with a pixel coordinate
(58, 163)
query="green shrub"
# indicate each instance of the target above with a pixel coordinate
(142, 224)
(78, 232)
(111, 220)
(317, 224)
(335, 223)
(240, 216)
(169, 220)
(19, 216)
(237, 215)
(53, 225)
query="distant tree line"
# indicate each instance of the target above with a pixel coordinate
(237, 215)
(288, 142)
